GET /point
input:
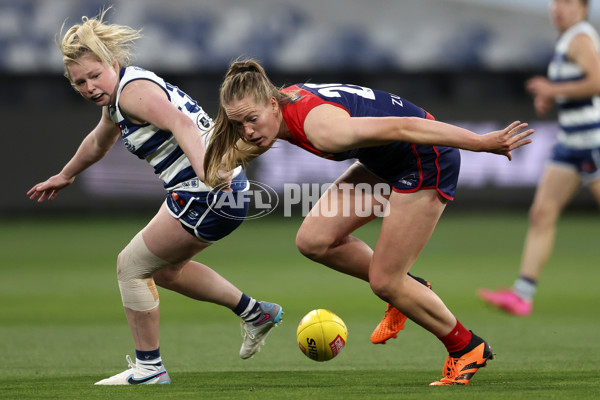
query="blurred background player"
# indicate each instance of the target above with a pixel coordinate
(161, 124)
(574, 85)
(395, 142)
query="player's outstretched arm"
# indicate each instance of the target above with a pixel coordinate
(95, 146)
(334, 131)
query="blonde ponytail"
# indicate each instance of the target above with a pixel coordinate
(244, 79)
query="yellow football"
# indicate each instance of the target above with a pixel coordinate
(321, 335)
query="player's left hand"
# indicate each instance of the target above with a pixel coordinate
(506, 140)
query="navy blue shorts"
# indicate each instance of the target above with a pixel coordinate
(409, 167)
(211, 216)
(585, 161)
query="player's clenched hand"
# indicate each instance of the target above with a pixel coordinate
(50, 188)
(225, 176)
(542, 105)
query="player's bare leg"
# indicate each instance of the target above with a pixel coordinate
(555, 190)
(325, 233)
(328, 240)
(404, 234)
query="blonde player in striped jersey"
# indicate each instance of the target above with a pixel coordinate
(574, 85)
(161, 124)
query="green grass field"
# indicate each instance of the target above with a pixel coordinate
(62, 326)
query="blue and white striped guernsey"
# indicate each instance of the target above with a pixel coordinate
(579, 119)
(157, 146)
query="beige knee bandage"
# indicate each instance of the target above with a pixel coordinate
(135, 267)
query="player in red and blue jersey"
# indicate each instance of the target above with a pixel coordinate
(407, 166)
(397, 145)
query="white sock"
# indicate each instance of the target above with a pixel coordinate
(524, 288)
(252, 311)
(153, 364)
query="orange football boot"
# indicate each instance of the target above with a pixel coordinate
(460, 370)
(393, 320)
(392, 323)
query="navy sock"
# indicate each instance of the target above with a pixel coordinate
(151, 357)
(241, 307)
(248, 309)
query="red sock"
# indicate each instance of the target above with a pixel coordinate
(457, 339)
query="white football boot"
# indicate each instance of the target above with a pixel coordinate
(255, 333)
(137, 375)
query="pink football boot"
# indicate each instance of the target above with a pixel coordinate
(506, 300)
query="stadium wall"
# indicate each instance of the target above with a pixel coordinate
(455, 58)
